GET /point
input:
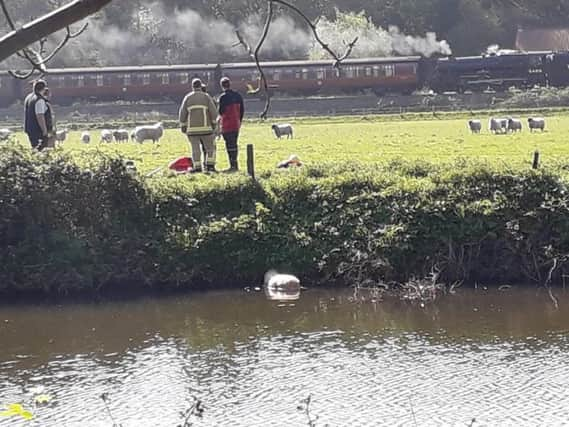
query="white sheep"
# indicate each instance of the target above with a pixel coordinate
(498, 125)
(147, 133)
(85, 137)
(5, 134)
(282, 130)
(106, 136)
(514, 125)
(120, 135)
(475, 126)
(274, 280)
(536, 123)
(61, 135)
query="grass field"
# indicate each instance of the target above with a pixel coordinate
(348, 140)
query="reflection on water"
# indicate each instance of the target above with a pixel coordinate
(499, 357)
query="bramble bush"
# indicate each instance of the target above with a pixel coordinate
(66, 228)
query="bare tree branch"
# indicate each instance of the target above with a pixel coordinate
(7, 15)
(324, 45)
(19, 39)
(255, 54)
(38, 59)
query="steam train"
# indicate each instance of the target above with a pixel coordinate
(398, 75)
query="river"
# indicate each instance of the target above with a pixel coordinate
(499, 358)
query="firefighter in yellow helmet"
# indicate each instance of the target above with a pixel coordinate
(198, 118)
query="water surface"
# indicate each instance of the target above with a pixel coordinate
(497, 357)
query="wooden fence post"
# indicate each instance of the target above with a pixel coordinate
(535, 159)
(251, 161)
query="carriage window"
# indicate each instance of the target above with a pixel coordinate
(276, 75)
(184, 79)
(165, 79)
(58, 81)
(146, 79)
(0, 82)
(297, 74)
(304, 74)
(376, 72)
(100, 80)
(80, 81)
(389, 70)
(320, 74)
(126, 80)
(350, 72)
(368, 71)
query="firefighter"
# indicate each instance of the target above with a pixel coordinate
(231, 111)
(198, 116)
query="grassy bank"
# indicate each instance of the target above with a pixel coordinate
(66, 229)
(376, 202)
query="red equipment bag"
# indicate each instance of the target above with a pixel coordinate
(182, 164)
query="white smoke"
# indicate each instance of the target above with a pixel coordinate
(373, 41)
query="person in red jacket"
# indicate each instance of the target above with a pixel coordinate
(231, 111)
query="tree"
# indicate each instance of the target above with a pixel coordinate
(19, 39)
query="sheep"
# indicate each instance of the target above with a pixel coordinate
(61, 135)
(85, 137)
(274, 280)
(514, 125)
(5, 134)
(281, 130)
(475, 126)
(536, 123)
(498, 125)
(106, 136)
(120, 135)
(145, 133)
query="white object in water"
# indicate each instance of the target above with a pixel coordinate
(275, 280)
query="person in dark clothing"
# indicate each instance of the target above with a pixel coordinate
(231, 111)
(38, 120)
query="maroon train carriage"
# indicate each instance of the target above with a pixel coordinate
(382, 75)
(10, 89)
(126, 83)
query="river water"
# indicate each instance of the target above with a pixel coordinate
(500, 358)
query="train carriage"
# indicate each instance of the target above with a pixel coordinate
(382, 75)
(10, 89)
(126, 83)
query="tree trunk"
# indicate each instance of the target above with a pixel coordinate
(52, 22)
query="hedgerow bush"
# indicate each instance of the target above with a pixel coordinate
(66, 228)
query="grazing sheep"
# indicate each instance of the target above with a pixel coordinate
(282, 130)
(514, 125)
(5, 134)
(475, 126)
(120, 135)
(61, 135)
(85, 137)
(498, 125)
(146, 133)
(106, 136)
(536, 123)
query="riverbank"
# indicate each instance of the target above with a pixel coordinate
(67, 228)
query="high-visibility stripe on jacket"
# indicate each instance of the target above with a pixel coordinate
(198, 113)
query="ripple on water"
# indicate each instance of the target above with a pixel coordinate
(249, 371)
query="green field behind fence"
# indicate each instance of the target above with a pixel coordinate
(349, 140)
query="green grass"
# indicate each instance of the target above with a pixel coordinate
(349, 140)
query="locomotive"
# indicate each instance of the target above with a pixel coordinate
(397, 75)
